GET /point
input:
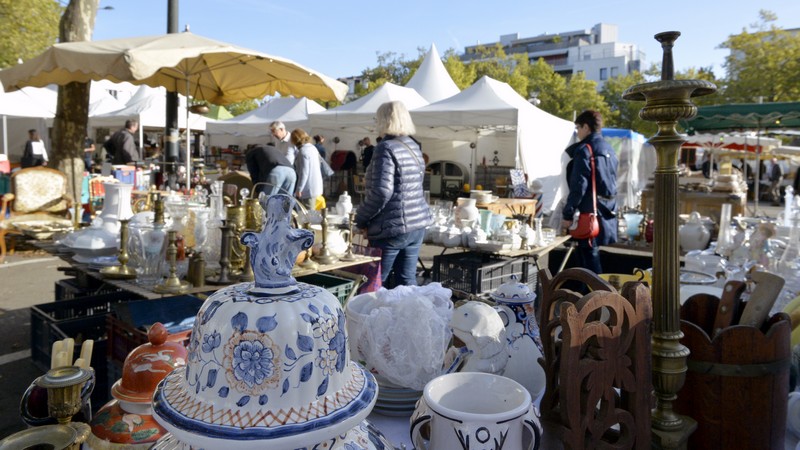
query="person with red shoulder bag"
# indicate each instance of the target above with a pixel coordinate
(592, 181)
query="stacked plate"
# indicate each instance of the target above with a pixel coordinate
(395, 401)
(97, 262)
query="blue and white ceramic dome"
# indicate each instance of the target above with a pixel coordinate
(269, 364)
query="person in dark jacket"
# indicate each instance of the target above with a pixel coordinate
(367, 153)
(35, 153)
(267, 164)
(579, 178)
(124, 145)
(394, 213)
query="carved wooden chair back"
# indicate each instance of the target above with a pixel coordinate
(597, 362)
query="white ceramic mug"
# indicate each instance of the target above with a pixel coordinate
(476, 411)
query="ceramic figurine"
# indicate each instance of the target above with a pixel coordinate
(269, 365)
(515, 306)
(479, 327)
(127, 422)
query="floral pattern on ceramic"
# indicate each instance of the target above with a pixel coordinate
(112, 424)
(268, 362)
(514, 303)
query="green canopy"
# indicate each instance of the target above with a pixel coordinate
(744, 116)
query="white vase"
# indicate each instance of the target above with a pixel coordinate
(117, 202)
(466, 210)
(475, 410)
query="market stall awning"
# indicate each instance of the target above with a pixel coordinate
(744, 116)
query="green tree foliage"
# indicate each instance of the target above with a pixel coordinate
(27, 28)
(241, 107)
(625, 114)
(495, 63)
(764, 62)
(564, 97)
(391, 68)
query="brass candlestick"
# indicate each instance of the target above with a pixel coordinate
(173, 284)
(224, 262)
(236, 221)
(121, 272)
(325, 256)
(667, 101)
(64, 386)
(349, 255)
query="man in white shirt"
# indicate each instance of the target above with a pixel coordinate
(279, 132)
(35, 154)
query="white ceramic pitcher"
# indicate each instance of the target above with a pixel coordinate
(476, 411)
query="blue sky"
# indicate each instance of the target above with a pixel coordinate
(342, 38)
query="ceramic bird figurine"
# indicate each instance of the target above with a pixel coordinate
(275, 249)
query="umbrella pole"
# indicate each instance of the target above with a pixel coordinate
(188, 142)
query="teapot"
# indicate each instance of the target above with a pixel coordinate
(694, 235)
(344, 205)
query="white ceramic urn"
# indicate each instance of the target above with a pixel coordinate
(466, 209)
(268, 364)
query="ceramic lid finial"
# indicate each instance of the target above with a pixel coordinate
(275, 249)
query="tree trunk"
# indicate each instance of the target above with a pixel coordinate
(72, 111)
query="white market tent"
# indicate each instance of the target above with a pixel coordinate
(431, 79)
(359, 115)
(149, 106)
(293, 112)
(495, 117)
(21, 111)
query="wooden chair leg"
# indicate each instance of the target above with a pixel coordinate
(2, 245)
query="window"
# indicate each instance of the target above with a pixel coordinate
(587, 56)
(614, 71)
(603, 73)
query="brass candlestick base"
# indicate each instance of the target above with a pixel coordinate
(121, 272)
(325, 256)
(667, 101)
(64, 385)
(349, 255)
(173, 284)
(224, 261)
(247, 274)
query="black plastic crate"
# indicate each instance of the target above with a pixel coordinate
(71, 288)
(478, 273)
(44, 316)
(127, 326)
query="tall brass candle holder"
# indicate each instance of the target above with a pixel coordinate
(349, 255)
(224, 252)
(666, 102)
(173, 284)
(122, 271)
(252, 222)
(325, 256)
(236, 221)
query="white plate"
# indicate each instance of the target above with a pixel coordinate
(688, 290)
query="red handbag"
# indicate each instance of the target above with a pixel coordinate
(588, 227)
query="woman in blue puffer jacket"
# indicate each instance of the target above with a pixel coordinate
(394, 213)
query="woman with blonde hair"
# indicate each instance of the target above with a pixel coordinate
(306, 164)
(394, 213)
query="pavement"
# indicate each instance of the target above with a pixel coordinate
(28, 278)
